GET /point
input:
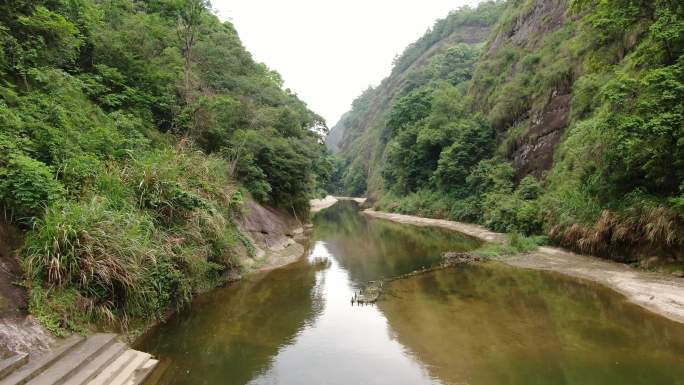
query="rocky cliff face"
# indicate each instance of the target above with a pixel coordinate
(533, 152)
(278, 237)
(531, 129)
(529, 26)
(266, 225)
(584, 95)
(357, 137)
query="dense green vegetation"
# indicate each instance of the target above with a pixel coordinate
(442, 58)
(130, 134)
(452, 144)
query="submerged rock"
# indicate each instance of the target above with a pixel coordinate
(453, 258)
(369, 294)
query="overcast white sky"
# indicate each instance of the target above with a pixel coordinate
(328, 51)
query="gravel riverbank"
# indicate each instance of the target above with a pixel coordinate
(658, 292)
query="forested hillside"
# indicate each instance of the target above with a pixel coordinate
(446, 54)
(131, 133)
(568, 121)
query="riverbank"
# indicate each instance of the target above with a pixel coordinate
(321, 204)
(272, 239)
(656, 292)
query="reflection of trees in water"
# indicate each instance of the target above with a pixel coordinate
(231, 335)
(373, 248)
(498, 325)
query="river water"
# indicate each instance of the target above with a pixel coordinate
(485, 324)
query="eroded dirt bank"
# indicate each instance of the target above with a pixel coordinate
(657, 292)
(19, 331)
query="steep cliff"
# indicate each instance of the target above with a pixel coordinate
(567, 121)
(356, 137)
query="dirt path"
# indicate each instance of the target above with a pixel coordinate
(660, 293)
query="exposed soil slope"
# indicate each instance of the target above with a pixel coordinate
(19, 332)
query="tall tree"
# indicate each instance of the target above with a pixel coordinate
(189, 22)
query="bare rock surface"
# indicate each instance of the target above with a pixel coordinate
(278, 237)
(533, 152)
(267, 225)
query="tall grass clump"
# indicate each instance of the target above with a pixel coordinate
(650, 230)
(150, 233)
(103, 253)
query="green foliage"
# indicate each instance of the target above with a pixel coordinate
(516, 212)
(617, 174)
(384, 120)
(456, 65)
(412, 108)
(98, 250)
(515, 244)
(59, 312)
(26, 185)
(164, 235)
(645, 122)
(126, 130)
(439, 148)
(355, 179)
(278, 170)
(472, 141)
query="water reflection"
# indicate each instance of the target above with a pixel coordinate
(345, 345)
(497, 325)
(230, 335)
(374, 248)
(477, 324)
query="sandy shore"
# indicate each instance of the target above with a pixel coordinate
(320, 204)
(660, 293)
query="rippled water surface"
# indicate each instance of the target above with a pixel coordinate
(477, 324)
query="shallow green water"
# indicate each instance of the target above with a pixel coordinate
(477, 324)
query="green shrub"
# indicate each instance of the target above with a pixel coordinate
(529, 218)
(26, 185)
(121, 264)
(60, 311)
(515, 243)
(529, 188)
(511, 211)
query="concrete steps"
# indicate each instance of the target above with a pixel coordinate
(99, 359)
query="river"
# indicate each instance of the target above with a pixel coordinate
(484, 324)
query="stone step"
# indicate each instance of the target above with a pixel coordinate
(37, 365)
(74, 360)
(9, 365)
(154, 377)
(128, 372)
(108, 373)
(97, 364)
(141, 373)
